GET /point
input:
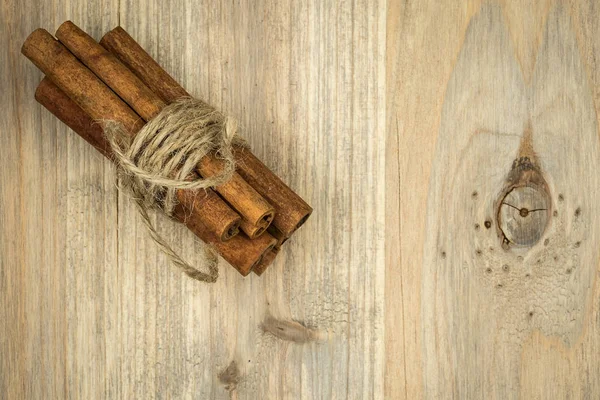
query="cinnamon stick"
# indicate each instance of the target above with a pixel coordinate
(278, 235)
(266, 261)
(269, 258)
(242, 253)
(237, 192)
(100, 103)
(66, 110)
(290, 210)
(253, 231)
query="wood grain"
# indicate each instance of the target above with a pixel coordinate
(97, 312)
(424, 105)
(480, 317)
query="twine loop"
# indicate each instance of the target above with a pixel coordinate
(161, 159)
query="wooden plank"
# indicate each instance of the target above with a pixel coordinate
(98, 312)
(58, 235)
(467, 96)
(300, 78)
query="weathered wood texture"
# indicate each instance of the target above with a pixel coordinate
(92, 310)
(440, 97)
(476, 91)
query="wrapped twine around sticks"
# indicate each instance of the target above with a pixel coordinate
(162, 156)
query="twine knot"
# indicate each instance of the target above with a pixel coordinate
(161, 159)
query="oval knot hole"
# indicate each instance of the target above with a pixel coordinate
(524, 214)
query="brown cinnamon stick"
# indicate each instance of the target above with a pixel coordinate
(242, 253)
(290, 210)
(266, 261)
(253, 231)
(54, 59)
(99, 102)
(278, 235)
(269, 258)
(237, 192)
(59, 104)
(105, 65)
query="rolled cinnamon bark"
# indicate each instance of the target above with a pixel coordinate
(242, 253)
(290, 210)
(278, 235)
(237, 192)
(253, 231)
(110, 70)
(266, 261)
(66, 110)
(101, 103)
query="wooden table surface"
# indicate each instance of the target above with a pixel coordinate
(399, 122)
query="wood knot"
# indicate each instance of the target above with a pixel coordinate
(524, 215)
(230, 376)
(291, 330)
(524, 207)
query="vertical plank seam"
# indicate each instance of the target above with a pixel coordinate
(400, 269)
(118, 210)
(351, 189)
(21, 242)
(212, 300)
(43, 253)
(118, 247)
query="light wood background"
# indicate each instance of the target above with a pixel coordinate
(92, 310)
(387, 118)
(466, 319)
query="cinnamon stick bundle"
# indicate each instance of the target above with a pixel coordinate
(290, 210)
(117, 80)
(101, 103)
(255, 210)
(242, 253)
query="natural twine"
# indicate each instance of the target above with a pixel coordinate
(157, 161)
